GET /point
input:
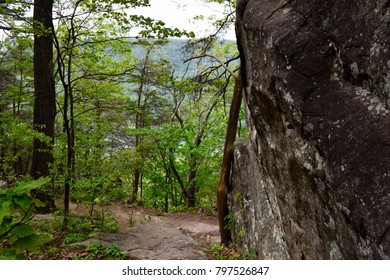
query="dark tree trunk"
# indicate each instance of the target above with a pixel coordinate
(44, 96)
(136, 183)
(191, 198)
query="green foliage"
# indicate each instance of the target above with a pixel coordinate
(125, 108)
(100, 251)
(239, 197)
(230, 221)
(217, 250)
(157, 29)
(105, 222)
(222, 252)
(16, 212)
(16, 133)
(252, 255)
(128, 107)
(81, 227)
(241, 233)
(75, 237)
(104, 114)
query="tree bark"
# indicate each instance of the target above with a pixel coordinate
(191, 194)
(44, 96)
(223, 186)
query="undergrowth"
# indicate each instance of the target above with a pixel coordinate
(219, 251)
(80, 227)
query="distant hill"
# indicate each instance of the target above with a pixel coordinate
(173, 51)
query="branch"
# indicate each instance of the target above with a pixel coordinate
(102, 76)
(177, 175)
(176, 112)
(122, 38)
(101, 107)
(223, 23)
(217, 59)
(5, 28)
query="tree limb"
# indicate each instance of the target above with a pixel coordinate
(5, 28)
(231, 72)
(177, 175)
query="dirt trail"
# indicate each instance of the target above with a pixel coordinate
(153, 235)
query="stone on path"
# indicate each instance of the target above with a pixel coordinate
(154, 240)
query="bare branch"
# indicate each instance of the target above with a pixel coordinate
(223, 24)
(231, 72)
(5, 28)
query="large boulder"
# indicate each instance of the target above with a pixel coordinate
(154, 240)
(313, 181)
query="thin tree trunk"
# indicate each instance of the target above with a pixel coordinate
(70, 134)
(136, 182)
(139, 123)
(223, 186)
(70, 158)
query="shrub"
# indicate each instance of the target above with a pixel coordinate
(16, 212)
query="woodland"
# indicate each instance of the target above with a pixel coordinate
(93, 116)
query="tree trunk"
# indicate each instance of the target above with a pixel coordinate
(191, 198)
(223, 186)
(136, 181)
(139, 124)
(70, 156)
(44, 97)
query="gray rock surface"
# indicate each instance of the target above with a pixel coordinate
(3, 184)
(314, 181)
(154, 240)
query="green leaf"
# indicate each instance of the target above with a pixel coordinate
(28, 186)
(23, 202)
(5, 210)
(30, 242)
(23, 231)
(11, 254)
(37, 202)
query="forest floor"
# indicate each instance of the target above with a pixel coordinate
(146, 234)
(132, 232)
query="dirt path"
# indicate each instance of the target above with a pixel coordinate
(153, 235)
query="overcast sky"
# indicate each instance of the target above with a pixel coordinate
(179, 13)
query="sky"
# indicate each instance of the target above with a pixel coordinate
(180, 13)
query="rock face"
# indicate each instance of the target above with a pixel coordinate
(313, 181)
